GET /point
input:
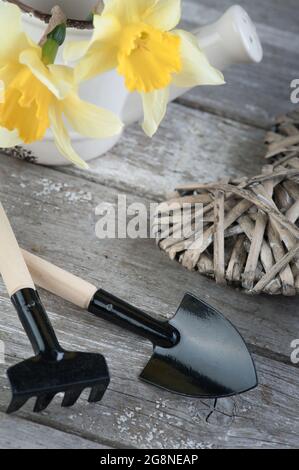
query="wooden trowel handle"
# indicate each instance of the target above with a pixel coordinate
(13, 268)
(59, 282)
(99, 302)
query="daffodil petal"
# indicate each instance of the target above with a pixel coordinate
(12, 38)
(196, 69)
(89, 120)
(105, 33)
(74, 50)
(62, 138)
(63, 77)
(154, 108)
(114, 7)
(106, 28)
(164, 15)
(129, 11)
(96, 62)
(32, 59)
(9, 138)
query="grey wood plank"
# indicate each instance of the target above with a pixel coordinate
(254, 93)
(189, 146)
(60, 211)
(52, 213)
(275, 13)
(17, 433)
(132, 414)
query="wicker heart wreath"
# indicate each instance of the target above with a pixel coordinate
(250, 234)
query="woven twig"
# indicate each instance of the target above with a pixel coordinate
(250, 234)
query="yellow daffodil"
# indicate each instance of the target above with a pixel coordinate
(137, 37)
(38, 95)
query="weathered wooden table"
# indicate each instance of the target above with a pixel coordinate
(208, 133)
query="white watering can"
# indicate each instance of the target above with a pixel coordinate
(231, 40)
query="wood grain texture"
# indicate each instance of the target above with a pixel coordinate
(208, 133)
(62, 213)
(52, 213)
(136, 415)
(18, 433)
(189, 146)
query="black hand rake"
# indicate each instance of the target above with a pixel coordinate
(52, 370)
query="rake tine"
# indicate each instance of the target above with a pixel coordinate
(71, 397)
(43, 402)
(52, 369)
(16, 404)
(96, 394)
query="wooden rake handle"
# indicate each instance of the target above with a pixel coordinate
(59, 282)
(13, 268)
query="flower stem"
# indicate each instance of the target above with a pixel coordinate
(54, 36)
(55, 39)
(90, 16)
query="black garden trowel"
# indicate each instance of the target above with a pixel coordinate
(53, 369)
(197, 353)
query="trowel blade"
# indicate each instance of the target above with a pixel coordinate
(211, 360)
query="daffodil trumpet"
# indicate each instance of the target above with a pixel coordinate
(39, 95)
